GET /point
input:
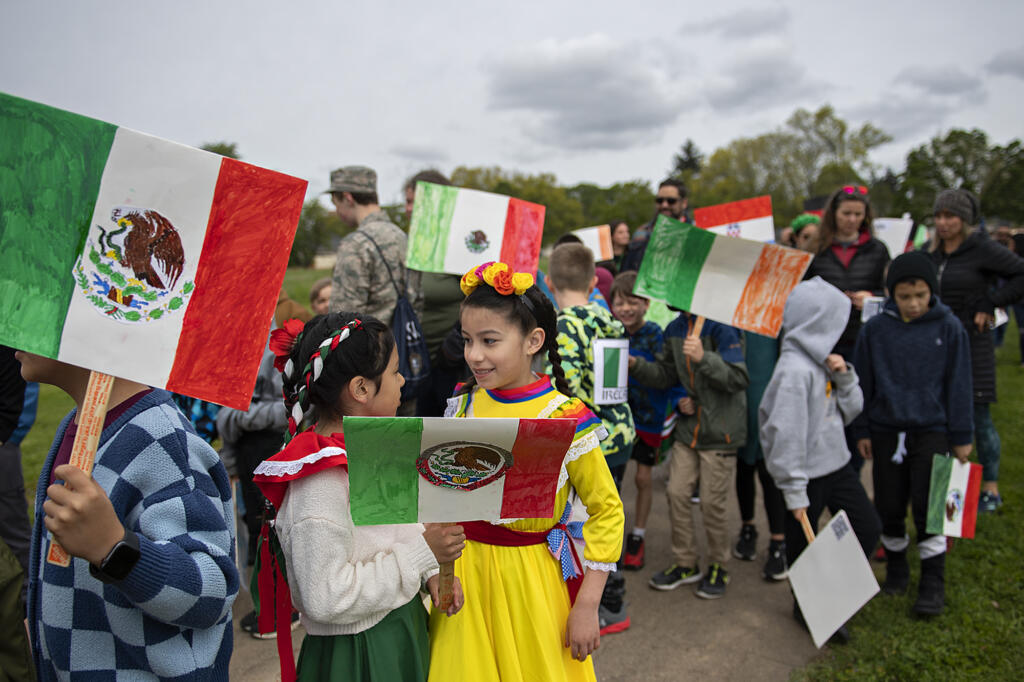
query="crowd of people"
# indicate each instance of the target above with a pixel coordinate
(150, 589)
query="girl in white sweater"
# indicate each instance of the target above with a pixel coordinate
(357, 589)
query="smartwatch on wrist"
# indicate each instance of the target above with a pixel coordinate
(120, 561)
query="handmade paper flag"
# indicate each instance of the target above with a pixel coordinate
(832, 579)
(747, 219)
(137, 257)
(598, 239)
(611, 371)
(454, 229)
(734, 281)
(408, 470)
(893, 232)
(953, 497)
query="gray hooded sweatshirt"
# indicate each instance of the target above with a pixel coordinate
(805, 407)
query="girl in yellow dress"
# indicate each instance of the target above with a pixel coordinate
(530, 603)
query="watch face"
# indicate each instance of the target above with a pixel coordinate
(121, 561)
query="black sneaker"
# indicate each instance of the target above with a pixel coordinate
(249, 624)
(746, 546)
(713, 585)
(775, 568)
(674, 576)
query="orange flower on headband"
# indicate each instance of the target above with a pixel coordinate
(498, 275)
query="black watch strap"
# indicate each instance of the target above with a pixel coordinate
(120, 561)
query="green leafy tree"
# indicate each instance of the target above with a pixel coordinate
(631, 201)
(228, 149)
(688, 161)
(319, 229)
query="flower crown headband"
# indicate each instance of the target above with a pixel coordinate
(499, 276)
(282, 341)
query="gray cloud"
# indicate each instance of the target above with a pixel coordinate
(1008, 63)
(426, 153)
(589, 93)
(747, 23)
(904, 116)
(941, 81)
(764, 75)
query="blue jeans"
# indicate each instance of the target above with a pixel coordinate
(987, 440)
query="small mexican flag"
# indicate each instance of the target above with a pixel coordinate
(953, 497)
(408, 470)
(137, 257)
(454, 229)
(747, 219)
(734, 281)
(598, 239)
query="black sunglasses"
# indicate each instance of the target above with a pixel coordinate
(671, 201)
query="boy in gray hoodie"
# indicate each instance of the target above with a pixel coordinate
(812, 395)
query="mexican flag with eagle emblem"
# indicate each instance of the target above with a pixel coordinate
(138, 257)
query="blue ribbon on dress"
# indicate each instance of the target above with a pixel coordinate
(560, 544)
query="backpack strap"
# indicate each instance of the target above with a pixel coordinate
(398, 291)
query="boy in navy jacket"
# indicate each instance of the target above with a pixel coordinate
(915, 370)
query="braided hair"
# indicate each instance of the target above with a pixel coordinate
(315, 388)
(535, 311)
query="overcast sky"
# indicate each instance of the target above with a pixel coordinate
(591, 91)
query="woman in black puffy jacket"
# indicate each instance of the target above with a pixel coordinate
(969, 264)
(849, 257)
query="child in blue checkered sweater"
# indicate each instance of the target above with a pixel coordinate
(152, 578)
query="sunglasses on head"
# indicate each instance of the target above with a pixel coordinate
(855, 189)
(671, 201)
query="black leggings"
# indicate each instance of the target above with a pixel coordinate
(774, 503)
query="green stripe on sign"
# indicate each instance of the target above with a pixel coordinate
(51, 164)
(428, 231)
(383, 481)
(942, 469)
(611, 367)
(673, 261)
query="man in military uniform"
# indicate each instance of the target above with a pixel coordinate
(370, 256)
(361, 282)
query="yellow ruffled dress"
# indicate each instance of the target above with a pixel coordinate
(512, 626)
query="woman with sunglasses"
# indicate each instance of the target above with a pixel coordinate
(969, 263)
(851, 259)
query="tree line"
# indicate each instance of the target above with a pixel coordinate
(807, 157)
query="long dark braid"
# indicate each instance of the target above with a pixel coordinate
(366, 352)
(535, 311)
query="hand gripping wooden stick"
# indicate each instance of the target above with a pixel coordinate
(446, 578)
(87, 438)
(698, 326)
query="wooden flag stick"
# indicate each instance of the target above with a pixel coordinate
(87, 438)
(698, 326)
(808, 532)
(446, 588)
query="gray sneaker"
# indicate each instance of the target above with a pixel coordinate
(713, 585)
(674, 576)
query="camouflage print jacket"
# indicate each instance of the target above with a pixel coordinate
(578, 326)
(360, 282)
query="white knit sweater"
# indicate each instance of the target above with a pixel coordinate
(344, 579)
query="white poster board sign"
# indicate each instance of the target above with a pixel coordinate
(611, 371)
(872, 306)
(894, 233)
(832, 579)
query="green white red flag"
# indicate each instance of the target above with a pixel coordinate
(953, 497)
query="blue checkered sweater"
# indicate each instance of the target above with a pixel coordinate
(170, 619)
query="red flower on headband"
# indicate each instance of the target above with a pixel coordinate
(282, 340)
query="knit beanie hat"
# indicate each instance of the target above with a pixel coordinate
(912, 265)
(960, 203)
(803, 220)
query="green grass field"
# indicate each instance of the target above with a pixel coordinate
(981, 634)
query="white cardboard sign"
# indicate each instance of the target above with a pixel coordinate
(832, 579)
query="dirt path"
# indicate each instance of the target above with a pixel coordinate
(748, 634)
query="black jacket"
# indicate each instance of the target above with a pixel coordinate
(865, 273)
(967, 280)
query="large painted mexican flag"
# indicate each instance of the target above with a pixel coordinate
(453, 230)
(734, 281)
(408, 470)
(138, 257)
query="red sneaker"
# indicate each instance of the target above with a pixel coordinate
(634, 559)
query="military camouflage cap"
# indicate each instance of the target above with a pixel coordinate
(353, 179)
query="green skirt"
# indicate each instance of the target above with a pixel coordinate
(394, 649)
